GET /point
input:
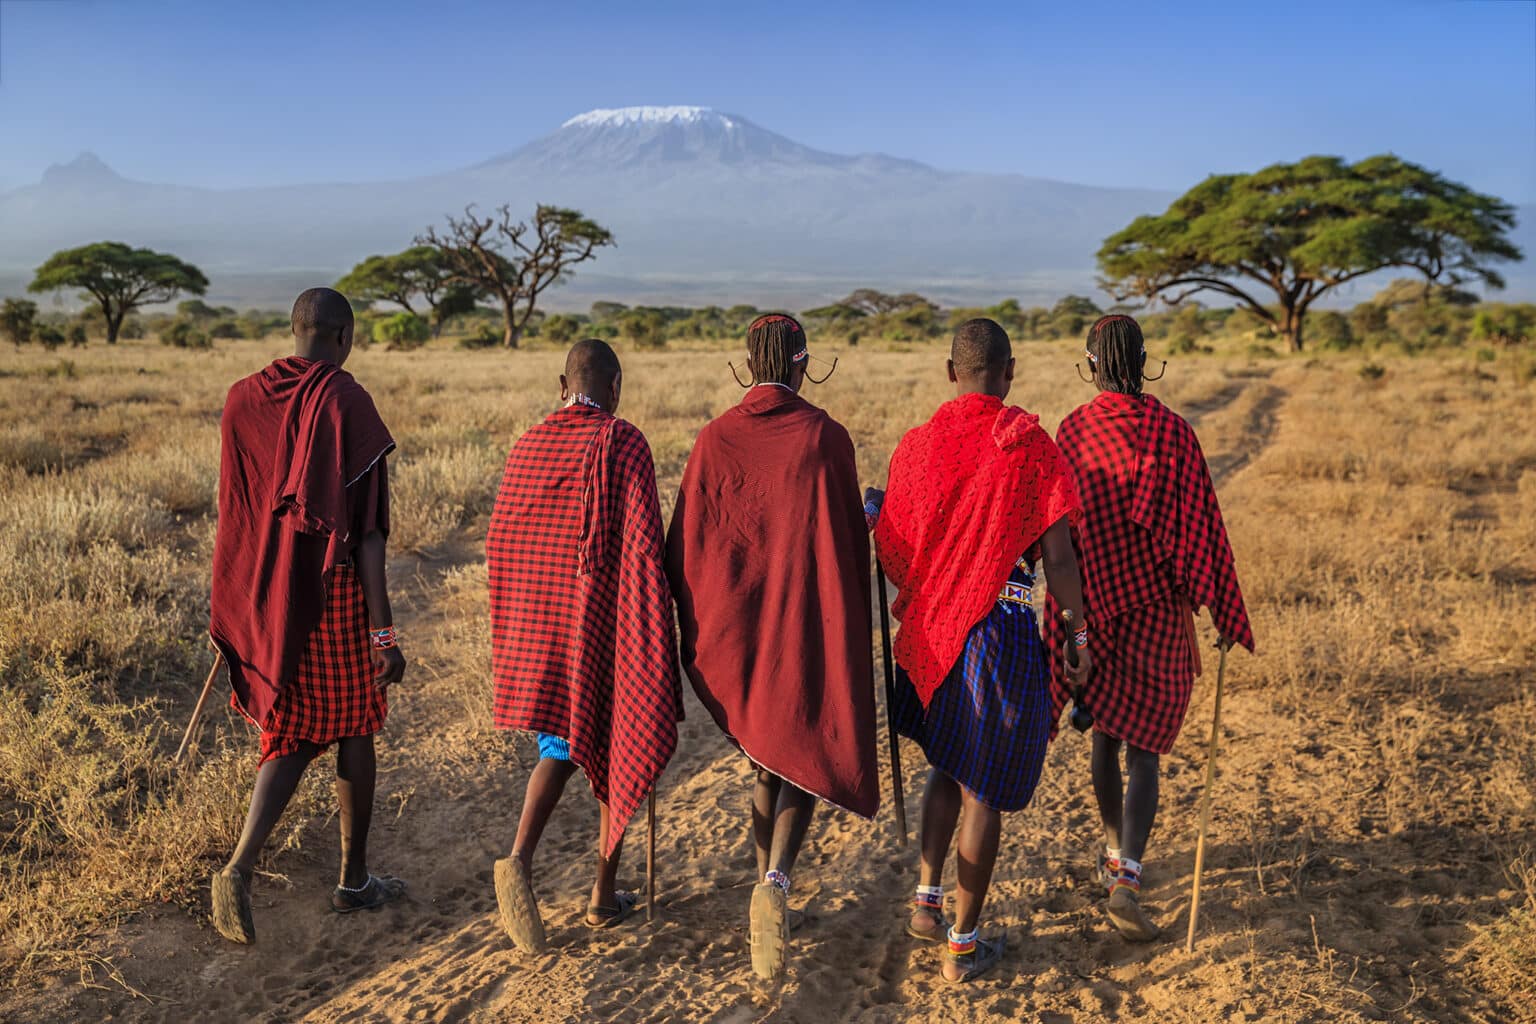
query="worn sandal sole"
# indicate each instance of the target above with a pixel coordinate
(988, 955)
(519, 911)
(769, 930)
(940, 934)
(1130, 920)
(232, 916)
(388, 889)
(628, 902)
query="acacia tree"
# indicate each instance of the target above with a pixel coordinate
(418, 274)
(119, 278)
(514, 260)
(1299, 230)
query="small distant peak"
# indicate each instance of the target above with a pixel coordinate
(87, 167)
(619, 117)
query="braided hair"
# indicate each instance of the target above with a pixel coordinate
(1117, 353)
(775, 346)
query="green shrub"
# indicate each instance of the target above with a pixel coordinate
(181, 333)
(402, 332)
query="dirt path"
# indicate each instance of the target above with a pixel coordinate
(1294, 926)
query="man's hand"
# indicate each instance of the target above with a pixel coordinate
(1077, 674)
(388, 665)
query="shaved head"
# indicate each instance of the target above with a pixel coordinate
(591, 366)
(591, 369)
(321, 312)
(980, 349)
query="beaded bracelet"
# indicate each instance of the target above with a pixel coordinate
(1080, 638)
(384, 638)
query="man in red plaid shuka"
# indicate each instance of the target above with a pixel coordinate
(584, 650)
(298, 578)
(1154, 551)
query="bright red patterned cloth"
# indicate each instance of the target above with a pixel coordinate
(968, 492)
(301, 481)
(769, 557)
(333, 696)
(583, 645)
(1153, 549)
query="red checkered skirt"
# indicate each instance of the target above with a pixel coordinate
(333, 696)
(1144, 668)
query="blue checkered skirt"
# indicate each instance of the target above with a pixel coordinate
(989, 722)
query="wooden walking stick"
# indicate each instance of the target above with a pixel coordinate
(650, 856)
(890, 705)
(1205, 799)
(197, 712)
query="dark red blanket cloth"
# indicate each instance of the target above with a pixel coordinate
(769, 558)
(298, 439)
(968, 492)
(583, 645)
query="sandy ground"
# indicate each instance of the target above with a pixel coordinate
(1314, 908)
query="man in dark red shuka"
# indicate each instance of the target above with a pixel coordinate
(768, 553)
(976, 496)
(1154, 551)
(584, 650)
(299, 604)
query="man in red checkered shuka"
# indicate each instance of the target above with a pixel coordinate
(299, 606)
(1154, 551)
(584, 651)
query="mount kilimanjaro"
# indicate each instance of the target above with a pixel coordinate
(705, 206)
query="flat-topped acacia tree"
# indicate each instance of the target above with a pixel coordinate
(119, 278)
(516, 260)
(1295, 231)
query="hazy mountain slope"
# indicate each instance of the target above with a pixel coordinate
(703, 204)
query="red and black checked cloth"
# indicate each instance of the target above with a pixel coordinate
(967, 493)
(1153, 548)
(333, 696)
(583, 644)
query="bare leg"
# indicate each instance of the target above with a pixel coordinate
(604, 890)
(765, 797)
(545, 785)
(792, 818)
(1140, 800)
(276, 782)
(356, 772)
(980, 831)
(976, 855)
(941, 811)
(1107, 786)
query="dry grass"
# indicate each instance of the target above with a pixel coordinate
(1386, 533)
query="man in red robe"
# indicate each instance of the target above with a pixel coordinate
(768, 553)
(1154, 551)
(975, 496)
(299, 603)
(584, 651)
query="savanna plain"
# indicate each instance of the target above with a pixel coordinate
(1373, 848)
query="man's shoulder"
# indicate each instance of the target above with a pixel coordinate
(630, 439)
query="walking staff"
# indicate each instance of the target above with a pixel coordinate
(1205, 799)
(890, 704)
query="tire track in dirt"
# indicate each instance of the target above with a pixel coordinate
(1258, 426)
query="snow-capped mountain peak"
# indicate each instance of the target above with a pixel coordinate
(618, 117)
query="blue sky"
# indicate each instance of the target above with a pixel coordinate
(244, 93)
